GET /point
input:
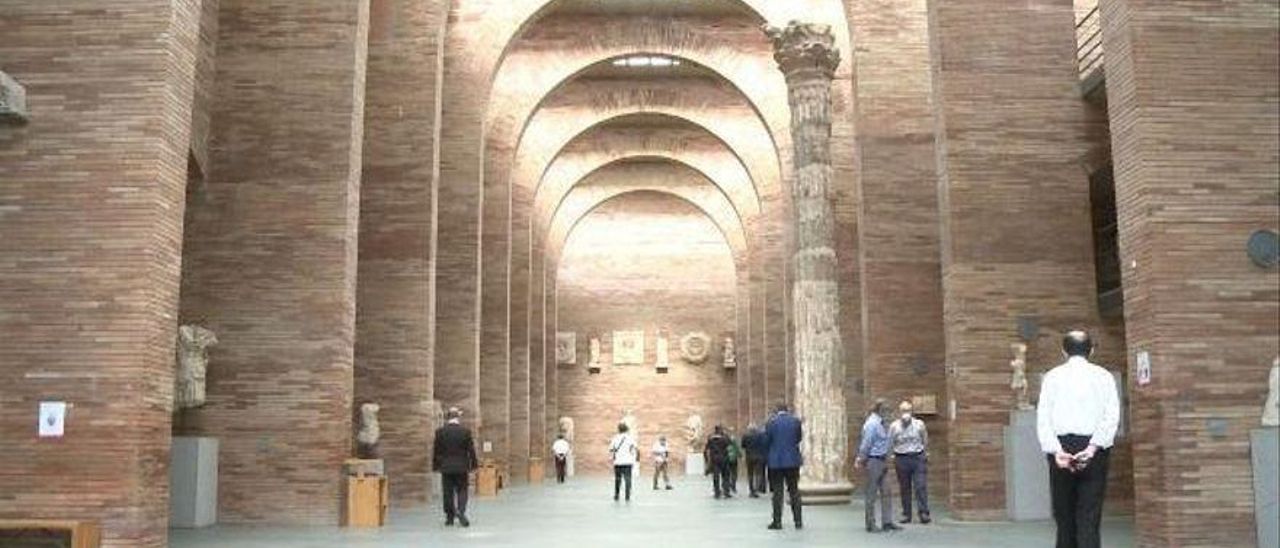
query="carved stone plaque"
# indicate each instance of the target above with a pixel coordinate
(566, 347)
(628, 347)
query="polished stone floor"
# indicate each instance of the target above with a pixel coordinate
(582, 514)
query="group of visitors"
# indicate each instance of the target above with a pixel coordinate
(1077, 419)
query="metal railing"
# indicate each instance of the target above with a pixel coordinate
(1089, 54)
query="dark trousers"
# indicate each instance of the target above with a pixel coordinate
(562, 463)
(912, 472)
(621, 473)
(720, 478)
(455, 494)
(1077, 496)
(755, 475)
(733, 477)
(791, 478)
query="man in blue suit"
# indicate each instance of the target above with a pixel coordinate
(781, 440)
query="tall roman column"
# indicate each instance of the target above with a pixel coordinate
(807, 56)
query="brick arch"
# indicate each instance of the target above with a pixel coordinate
(655, 173)
(609, 140)
(621, 178)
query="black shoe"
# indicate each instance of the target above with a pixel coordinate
(615, 498)
(755, 495)
(775, 526)
(669, 487)
(448, 522)
(906, 519)
(464, 521)
(891, 527)
(873, 529)
(924, 518)
(799, 525)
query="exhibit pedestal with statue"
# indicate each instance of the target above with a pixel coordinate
(1266, 485)
(1026, 470)
(193, 482)
(694, 465)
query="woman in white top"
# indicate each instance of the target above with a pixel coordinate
(624, 453)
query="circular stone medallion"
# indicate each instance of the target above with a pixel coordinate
(695, 347)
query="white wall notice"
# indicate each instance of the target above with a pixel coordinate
(53, 416)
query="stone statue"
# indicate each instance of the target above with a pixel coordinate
(633, 425)
(693, 433)
(566, 429)
(369, 434)
(730, 354)
(1271, 412)
(1019, 382)
(193, 362)
(595, 353)
(663, 352)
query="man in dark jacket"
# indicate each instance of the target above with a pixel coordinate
(454, 457)
(717, 454)
(752, 445)
(782, 446)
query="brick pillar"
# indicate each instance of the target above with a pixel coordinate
(808, 59)
(539, 444)
(903, 343)
(1192, 91)
(518, 337)
(393, 334)
(495, 359)
(271, 255)
(1014, 208)
(92, 235)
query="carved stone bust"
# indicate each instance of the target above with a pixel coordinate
(594, 362)
(369, 434)
(730, 354)
(693, 433)
(193, 362)
(566, 428)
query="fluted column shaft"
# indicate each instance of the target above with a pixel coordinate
(807, 57)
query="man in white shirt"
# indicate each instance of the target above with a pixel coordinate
(661, 456)
(560, 450)
(1076, 421)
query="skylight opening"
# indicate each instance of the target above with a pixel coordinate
(659, 61)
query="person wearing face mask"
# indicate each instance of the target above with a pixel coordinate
(911, 461)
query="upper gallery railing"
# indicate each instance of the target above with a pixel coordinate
(1089, 54)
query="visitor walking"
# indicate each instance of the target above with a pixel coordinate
(560, 452)
(661, 456)
(716, 453)
(735, 453)
(873, 450)
(1076, 422)
(751, 445)
(782, 445)
(624, 454)
(910, 441)
(454, 457)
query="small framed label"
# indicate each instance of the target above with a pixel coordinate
(53, 415)
(1143, 373)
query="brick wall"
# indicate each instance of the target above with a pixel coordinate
(393, 331)
(270, 260)
(1014, 203)
(653, 262)
(89, 264)
(1192, 92)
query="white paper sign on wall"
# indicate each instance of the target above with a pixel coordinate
(1143, 373)
(53, 416)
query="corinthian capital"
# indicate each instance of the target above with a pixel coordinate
(802, 47)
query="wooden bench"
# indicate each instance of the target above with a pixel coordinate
(49, 533)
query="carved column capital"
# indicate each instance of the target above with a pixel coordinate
(804, 48)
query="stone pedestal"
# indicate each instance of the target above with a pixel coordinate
(807, 56)
(568, 466)
(1266, 485)
(694, 465)
(1026, 470)
(193, 482)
